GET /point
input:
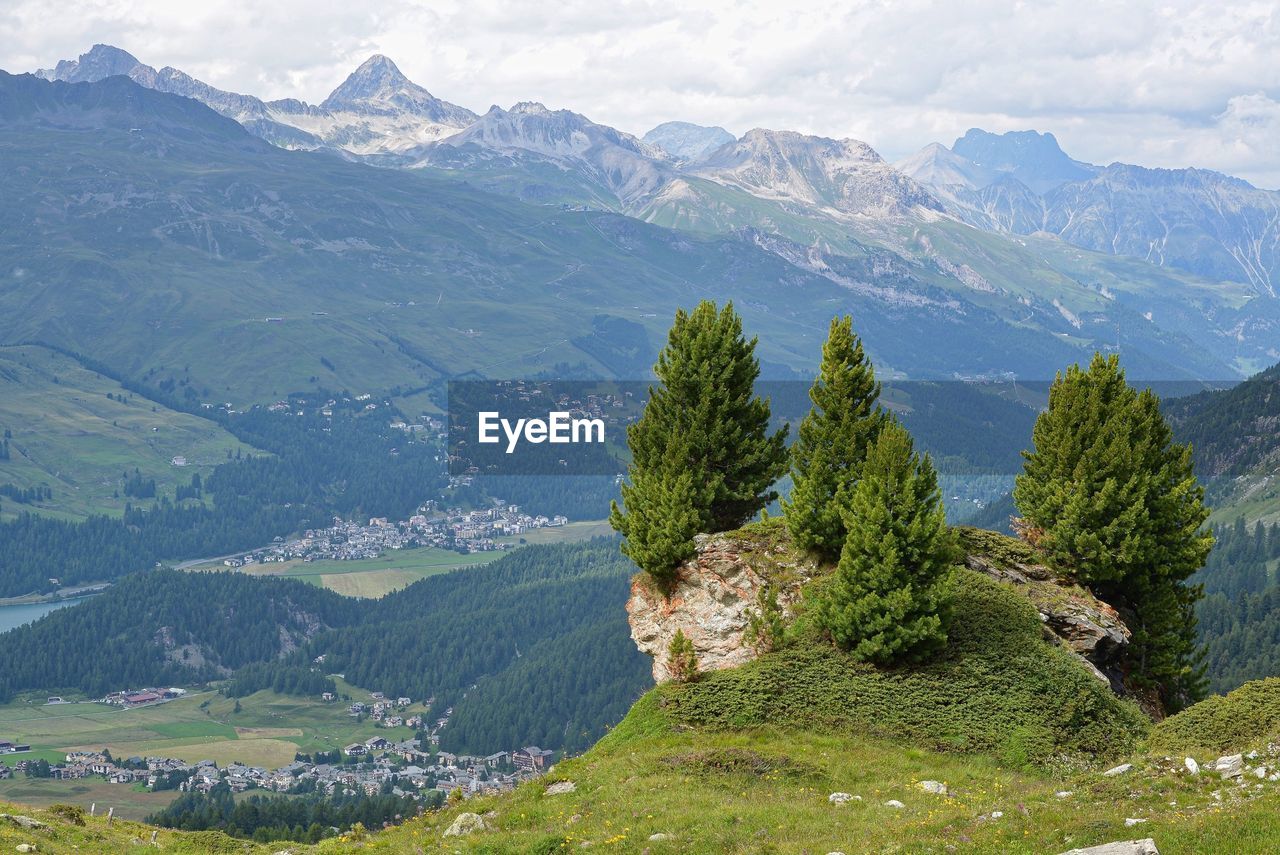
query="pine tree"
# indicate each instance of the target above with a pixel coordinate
(702, 457)
(1110, 498)
(886, 601)
(832, 442)
(682, 660)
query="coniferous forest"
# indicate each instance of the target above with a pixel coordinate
(541, 634)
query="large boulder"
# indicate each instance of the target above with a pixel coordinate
(713, 597)
(1146, 846)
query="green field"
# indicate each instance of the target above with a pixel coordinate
(70, 437)
(377, 577)
(268, 731)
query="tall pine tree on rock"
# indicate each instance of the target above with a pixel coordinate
(703, 459)
(887, 600)
(1110, 498)
(832, 442)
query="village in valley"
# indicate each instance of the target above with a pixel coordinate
(413, 766)
(455, 529)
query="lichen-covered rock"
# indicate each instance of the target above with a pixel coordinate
(466, 823)
(712, 600)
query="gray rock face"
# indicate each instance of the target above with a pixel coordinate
(717, 589)
(1147, 846)
(466, 823)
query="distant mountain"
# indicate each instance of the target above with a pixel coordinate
(687, 142)
(845, 175)
(1206, 223)
(939, 166)
(1033, 158)
(376, 111)
(601, 165)
(400, 279)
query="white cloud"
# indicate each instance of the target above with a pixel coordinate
(1168, 84)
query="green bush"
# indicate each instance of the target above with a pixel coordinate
(997, 688)
(1248, 716)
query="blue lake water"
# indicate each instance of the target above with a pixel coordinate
(15, 616)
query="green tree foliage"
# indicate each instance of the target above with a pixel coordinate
(1110, 498)
(766, 627)
(125, 637)
(682, 661)
(1239, 617)
(702, 456)
(832, 441)
(887, 600)
(305, 819)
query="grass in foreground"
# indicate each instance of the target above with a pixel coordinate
(766, 790)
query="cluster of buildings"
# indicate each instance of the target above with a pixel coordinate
(135, 697)
(379, 765)
(452, 528)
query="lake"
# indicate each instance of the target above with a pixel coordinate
(12, 617)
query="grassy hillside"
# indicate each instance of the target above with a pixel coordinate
(69, 436)
(1236, 436)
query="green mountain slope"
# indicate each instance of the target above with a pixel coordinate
(77, 434)
(171, 240)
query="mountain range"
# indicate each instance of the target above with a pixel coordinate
(1002, 240)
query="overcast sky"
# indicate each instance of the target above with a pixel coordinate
(1160, 84)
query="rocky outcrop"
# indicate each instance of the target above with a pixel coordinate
(713, 599)
(717, 589)
(1072, 616)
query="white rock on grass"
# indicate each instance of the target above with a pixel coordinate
(1064, 794)
(894, 803)
(661, 835)
(996, 814)
(1118, 770)
(1132, 821)
(1123, 847)
(466, 823)
(1192, 766)
(936, 787)
(1229, 766)
(559, 788)
(842, 798)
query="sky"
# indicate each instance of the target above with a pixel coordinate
(1168, 84)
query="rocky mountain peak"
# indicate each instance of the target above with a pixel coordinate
(378, 86)
(98, 62)
(1033, 158)
(844, 175)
